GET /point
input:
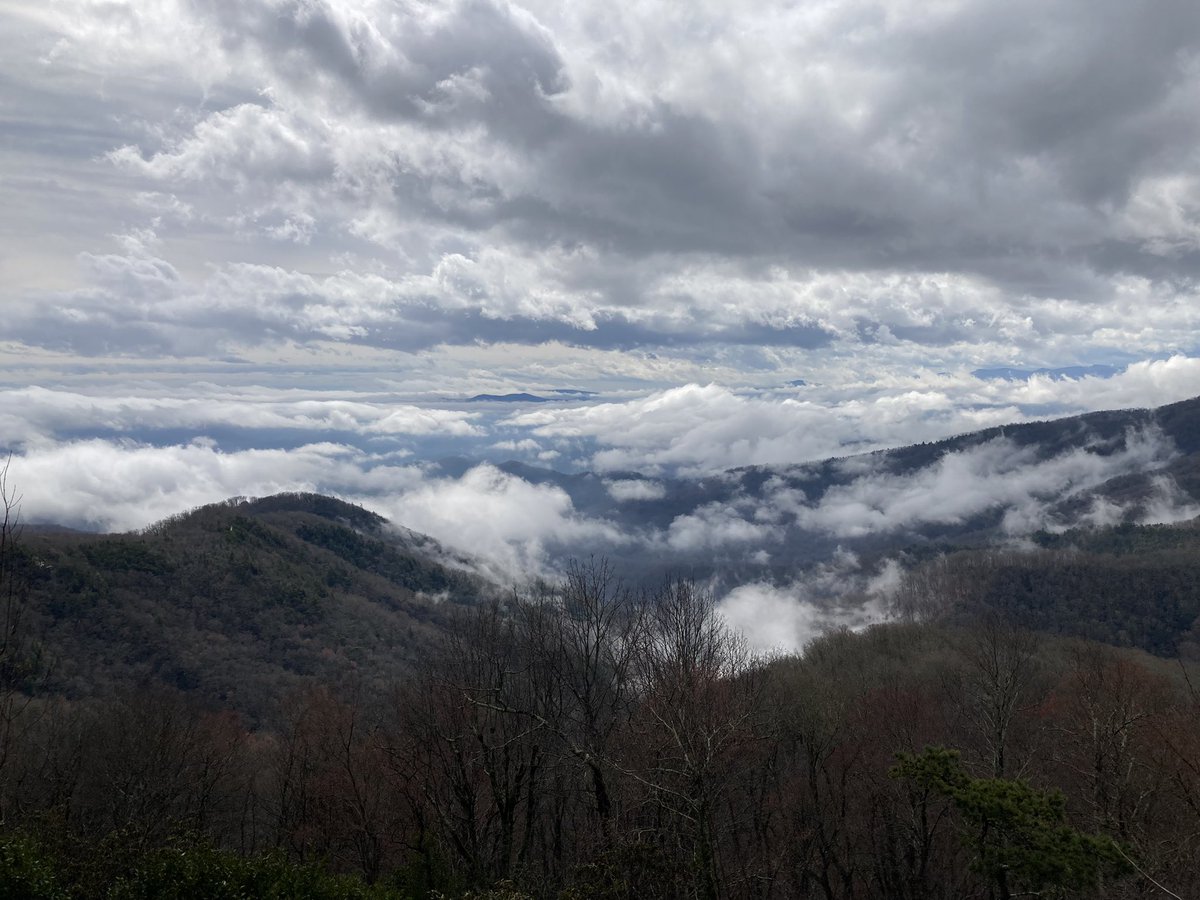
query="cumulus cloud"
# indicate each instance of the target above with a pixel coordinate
(716, 525)
(626, 490)
(120, 486)
(996, 475)
(769, 233)
(862, 176)
(699, 429)
(504, 519)
(692, 426)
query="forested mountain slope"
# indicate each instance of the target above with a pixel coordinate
(1126, 585)
(240, 601)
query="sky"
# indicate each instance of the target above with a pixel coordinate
(256, 245)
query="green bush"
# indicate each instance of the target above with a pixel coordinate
(27, 871)
(202, 873)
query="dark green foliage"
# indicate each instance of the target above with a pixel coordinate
(126, 555)
(1125, 540)
(371, 554)
(320, 505)
(630, 872)
(202, 873)
(238, 602)
(26, 871)
(32, 870)
(1018, 834)
(1128, 585)
(1181, 422)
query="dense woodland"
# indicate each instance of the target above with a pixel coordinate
(580, 740)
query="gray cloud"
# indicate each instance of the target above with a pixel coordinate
(35, 414)
(986, 178)
(463, 61)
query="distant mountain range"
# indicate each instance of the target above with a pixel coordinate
(1005, 373)
(525, 397)
(991, 486)
(508, 398)
(244, 600)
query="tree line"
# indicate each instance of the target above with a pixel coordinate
(585, 741)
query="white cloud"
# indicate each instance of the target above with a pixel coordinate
(773, 618)
(121, 486)
(35, 413)
(715, 525)
(500, 517)
(690, 427)
(702, 429)
(632, 489)
(997, 475)
(1168, 504)
(784, 618)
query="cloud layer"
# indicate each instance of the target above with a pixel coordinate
(976, 184)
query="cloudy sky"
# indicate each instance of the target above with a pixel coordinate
(250, 245)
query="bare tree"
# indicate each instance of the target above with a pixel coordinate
(581, 642)
(702, 692)
(999, 679)
(472, 770)
(21, 667)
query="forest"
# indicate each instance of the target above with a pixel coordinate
(586, 738)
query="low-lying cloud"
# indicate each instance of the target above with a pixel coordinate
(838, 594)
(997, 475)
(34, 413)
(510, 523)
(702, 429)
(511, 526)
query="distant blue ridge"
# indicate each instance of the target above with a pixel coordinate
(524, 397)
(1061, 373)
(508, 398)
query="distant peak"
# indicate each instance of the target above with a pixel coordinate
(1060, 373)
(508, 398)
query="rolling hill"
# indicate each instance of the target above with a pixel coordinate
(240, 602)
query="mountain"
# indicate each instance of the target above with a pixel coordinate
(1126, 585)
(240, 602)
(533, 743)
(991, 486)
(1061, 373)
(508, 398)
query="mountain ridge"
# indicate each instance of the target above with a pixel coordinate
(242, 600)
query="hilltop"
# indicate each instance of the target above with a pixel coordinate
(239, 602)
